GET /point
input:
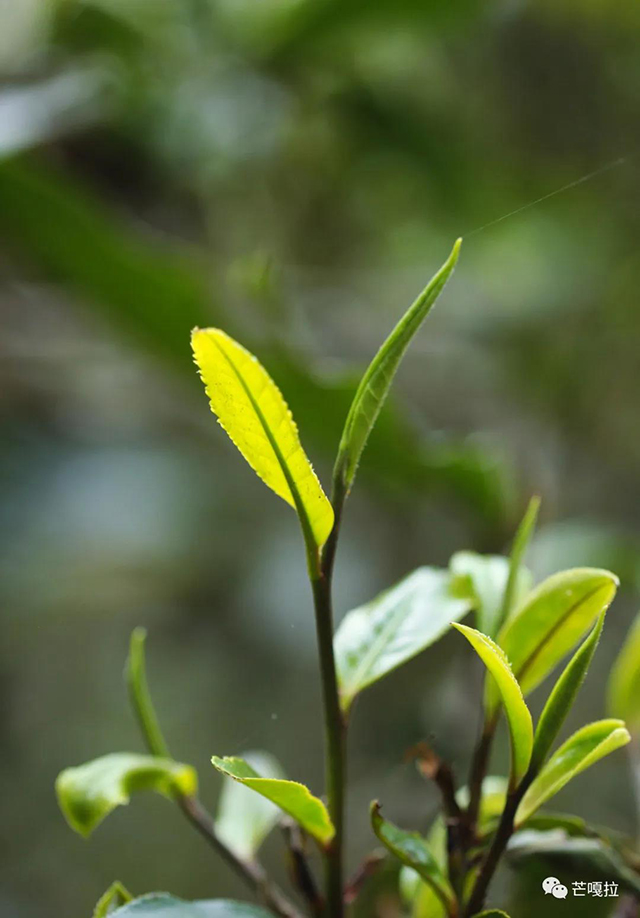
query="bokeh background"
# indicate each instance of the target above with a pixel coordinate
(294, 171)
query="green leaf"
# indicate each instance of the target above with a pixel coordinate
(518, 715)
(136, 678)
(587, 746)
(483, 578)
(375, 639)
(623, 697)
(244, 818)
(251, 409)
(492, 913)
(161, 905)
(293, 798)
(518, 549)
(413, 851)
(552, 619)
(88, 793)
(376, 382)
(563, 695)
(115, 896)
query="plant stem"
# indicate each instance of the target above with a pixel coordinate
(249, 870)
(478, 772)
(334, 731)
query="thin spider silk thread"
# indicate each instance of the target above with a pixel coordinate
(619, 161)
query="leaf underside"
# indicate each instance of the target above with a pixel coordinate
(162, 905)
(244, 818)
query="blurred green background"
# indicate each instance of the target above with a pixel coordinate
(294, 171)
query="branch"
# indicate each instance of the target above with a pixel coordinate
(252, 872)
(301, 873)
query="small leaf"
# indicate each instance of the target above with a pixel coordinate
(115, 896)
(492, 913)
(413, 851)
(245, 818)
(295, 799)
(518, 550)
(563, 695)
(552, 619)
(483, 578)
(376, 382)
(518, 716)
(161, 905)
(251, 409)
(140, 697)
(375, 639)
(587, 746)
(624, 683)
(88, 793)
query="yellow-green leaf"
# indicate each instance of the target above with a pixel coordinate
(140, 697)
(563, 695)
(293, 798)
(550, 621)
(518, 715)
(413, 851)
(587, 746)
(244, 819)
(251, 409)
(624, 684)
(88, 793)
(521, 541)
(114, 897)
(376, 382)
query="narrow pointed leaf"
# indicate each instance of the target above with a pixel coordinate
(563, 695)
(413, 851)
(587, 746)
(251, 409)
(375, 639)
(88, 793)
(376, 382)
(244, 818)
(114, 897)
(518, 549)
(483, 578)
(140, 697)
(161, 905)
(518, 715)
(624, 684)
(293, 798)
(550, 621)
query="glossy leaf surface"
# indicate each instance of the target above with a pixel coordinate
(244, 818)
(293, 798)
(586, 747)
(413, 851)
(376, 638)
(518, 715)
(88, 793)
(376, 382)
(551, 620)
(251, 409)
(563, 695)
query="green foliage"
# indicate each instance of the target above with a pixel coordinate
(140, 697)
(244, 818)
(251, 409)
(114, 897)
(376, 382)
(160, 905)
(513, 588)
(293, 798)
(518, 715)
(586, 747)
(564, 693)
(484, 578)
(413, 851)
(88, 793)
(550, 621)
(624, 684)
(375, 639)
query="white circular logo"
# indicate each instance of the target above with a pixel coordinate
(549, 884)
(560, 891)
